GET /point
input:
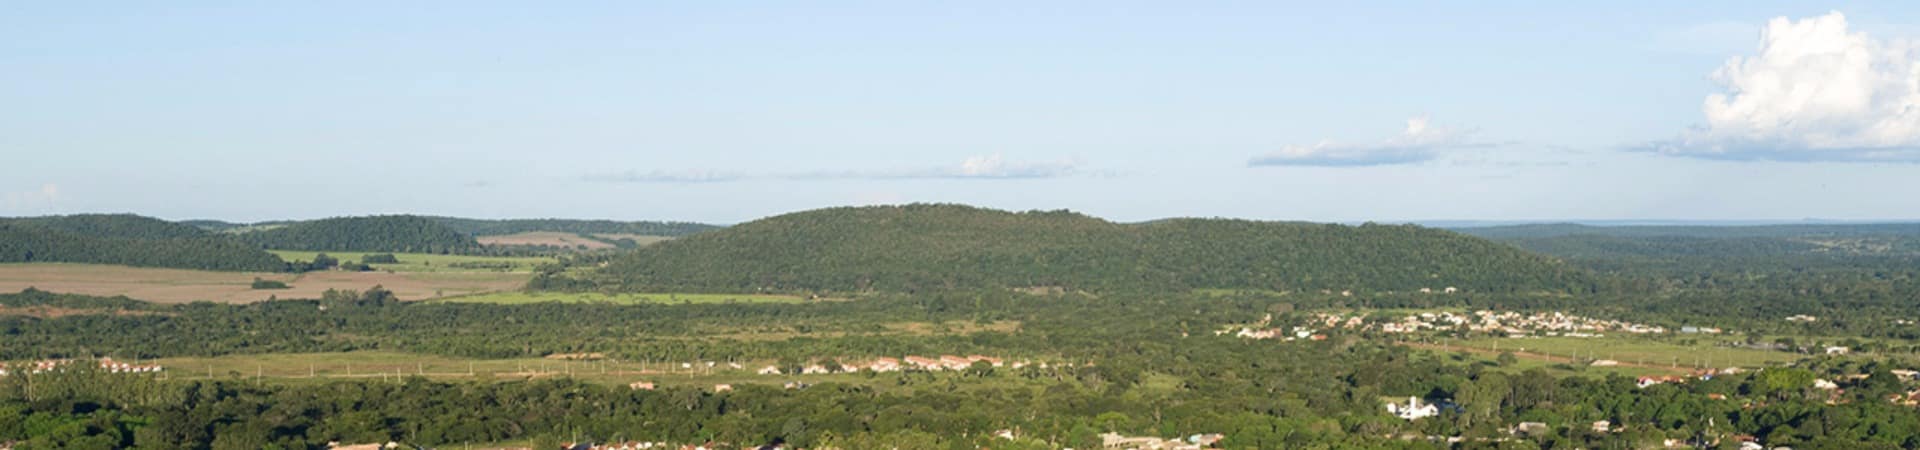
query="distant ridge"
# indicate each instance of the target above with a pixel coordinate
(494, 227)
(939, 247)
(130, 240)
(364, 234)
(1706, 231)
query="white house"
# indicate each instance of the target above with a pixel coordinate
(1413, 409)
(769, 370)
(1837, 350)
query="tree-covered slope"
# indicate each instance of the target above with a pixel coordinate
(115, 225)
(127, 240)
(492, 227)
(365, 234)
(935, 247)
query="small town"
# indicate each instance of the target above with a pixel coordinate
(1503, 323)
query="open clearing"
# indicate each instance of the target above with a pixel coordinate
(318, 367)
(181, 286)
(1629, 351)
(549, 238)
(426, 262)
(514, 298)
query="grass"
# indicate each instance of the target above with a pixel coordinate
(1634, 350)
(515, 298)
(424, 262)
(294, 368)
(180, 285)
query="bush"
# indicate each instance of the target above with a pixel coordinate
(380, 258)
(268, 284)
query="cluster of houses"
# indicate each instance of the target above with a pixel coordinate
(1424, 290)
(626, 446)
(943, 362)
(1508, 323)
(1116, 441)
(106, 364)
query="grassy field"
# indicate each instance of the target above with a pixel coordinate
(424, 262)
(181, 286)
(320, 367)
(1633, 351)
(514, 298)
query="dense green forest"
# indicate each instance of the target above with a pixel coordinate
(937, 247)
(492, 227)
(127, 240)
(411, 234)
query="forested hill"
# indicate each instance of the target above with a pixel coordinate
(127, 240)
(495, 227)
(936, 247)
(365, 234)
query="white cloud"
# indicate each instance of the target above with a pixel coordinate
(1422, 141)
(982, 167)
(39, 199)
(1815, 91)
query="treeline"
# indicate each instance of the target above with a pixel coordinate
(407, 234)
(128, 240)
(493, 227)
(919, 248)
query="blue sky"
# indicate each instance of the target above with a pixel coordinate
(725, 111)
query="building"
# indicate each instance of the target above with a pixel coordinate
(1836, 350)
(923, 363)
(641, 385)
(1413, 410)
(723, 388)
(769, 370)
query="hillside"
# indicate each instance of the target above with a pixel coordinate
(413, 234)
(127, 240)
(935, 247)
(490, 227)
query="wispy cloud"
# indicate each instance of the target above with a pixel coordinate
(1421, 141)
(662, 176)
(1815, 91)
(983, 167)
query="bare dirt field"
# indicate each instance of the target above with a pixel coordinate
(552, 238)
(181, 286)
